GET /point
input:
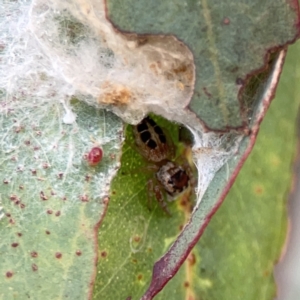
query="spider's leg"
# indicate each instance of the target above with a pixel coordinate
(160, 199)
(150, 193)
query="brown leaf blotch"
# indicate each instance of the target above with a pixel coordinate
(239, 81)
(258, 190)
(103, 254)
(34, 254)
(137, 238)
(191, 259)
(140, 277)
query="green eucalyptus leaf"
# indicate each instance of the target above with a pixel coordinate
(229, 40)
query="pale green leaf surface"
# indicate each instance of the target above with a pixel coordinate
(47, 244)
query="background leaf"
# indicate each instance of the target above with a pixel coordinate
(235, 256)
(229, 41)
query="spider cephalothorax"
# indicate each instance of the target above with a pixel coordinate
(152, 142)
(155, 146)
(173, 178)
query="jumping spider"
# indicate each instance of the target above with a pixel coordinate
(170, 178)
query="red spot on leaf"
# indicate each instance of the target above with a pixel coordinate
(60, 175)
(84, 198)
(43, 196)
(34, 267)
(88, 177)
(57, 214)
(5, 181)
(45, 165)
(19, 234)
(78, 252)
(9, 274)
(105, 200)
(47, 232)
(34, 254)
(95, 156)
(226, 21)
(58, 255)
(22, 205)
(49, 211)
(186, 284)
(14, 245)
(14, 197)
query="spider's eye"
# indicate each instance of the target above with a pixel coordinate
(152, 144)
(158, 130)
(145, 136)
(142, 127)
